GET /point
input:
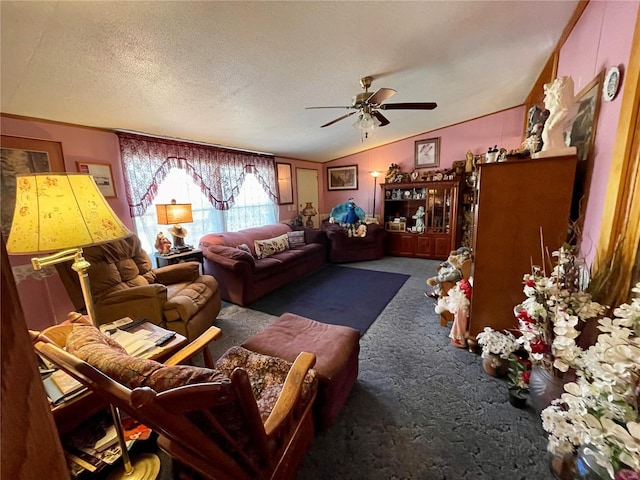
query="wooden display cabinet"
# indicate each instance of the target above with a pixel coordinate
(441, 201)
(515, 200)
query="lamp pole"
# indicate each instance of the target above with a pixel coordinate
(374, 174)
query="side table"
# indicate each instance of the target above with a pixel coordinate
(194, 255)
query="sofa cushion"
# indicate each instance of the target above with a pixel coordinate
(89, 344)
(267, 375)
(266, 248)
(296, 239)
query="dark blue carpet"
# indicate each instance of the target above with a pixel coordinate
(337, 295)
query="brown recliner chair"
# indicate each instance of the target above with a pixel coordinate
(124, 284)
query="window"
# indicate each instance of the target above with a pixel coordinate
(252, 208)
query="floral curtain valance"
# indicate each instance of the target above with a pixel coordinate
(219, 172)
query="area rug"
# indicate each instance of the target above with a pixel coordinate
(336, 295)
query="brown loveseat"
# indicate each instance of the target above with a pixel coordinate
(243, 277)
(343, 248)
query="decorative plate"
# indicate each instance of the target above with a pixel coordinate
(611, 84)
(438, 176)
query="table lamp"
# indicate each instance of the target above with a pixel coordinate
(65, 212)
(175, 213)
(308, 211)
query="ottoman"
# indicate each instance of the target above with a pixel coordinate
(336, 349)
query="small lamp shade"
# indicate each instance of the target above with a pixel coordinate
(57, 211)
(172, 213)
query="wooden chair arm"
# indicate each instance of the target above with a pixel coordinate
(291, 391)
(200, 343)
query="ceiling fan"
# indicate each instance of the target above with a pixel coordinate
(368, 106)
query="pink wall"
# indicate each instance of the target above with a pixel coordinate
(601, 39)
(503, 129)
(44, 298)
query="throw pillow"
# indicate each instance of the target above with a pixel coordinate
(266, 248)
(296, 239)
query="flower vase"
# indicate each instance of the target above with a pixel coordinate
(547, 384)
(563, 466)
(495, 366)
(517, 398)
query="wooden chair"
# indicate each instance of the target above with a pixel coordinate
(446, 317)
(212, 429)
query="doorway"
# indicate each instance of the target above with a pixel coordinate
(307, 192)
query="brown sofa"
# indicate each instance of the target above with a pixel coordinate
(243, 278)
(343, 248)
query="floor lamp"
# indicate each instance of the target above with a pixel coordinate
(64, 212)
(375, 175)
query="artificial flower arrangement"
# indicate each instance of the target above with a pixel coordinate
(497, 343)
(519, 372)
(549, 318)
(600, 411)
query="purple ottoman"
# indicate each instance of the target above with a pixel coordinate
(336, 349)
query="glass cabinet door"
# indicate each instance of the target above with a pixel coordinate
(439, 210)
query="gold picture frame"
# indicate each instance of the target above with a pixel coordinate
(102, 175)
(285, 183)
(427, 153)
(342, 178)
(24, 155)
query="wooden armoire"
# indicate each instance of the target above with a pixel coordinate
(516, 200)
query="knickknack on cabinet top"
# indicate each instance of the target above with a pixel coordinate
(421, 218)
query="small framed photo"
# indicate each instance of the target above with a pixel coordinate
(428, 153)
(342, 178)
(101, 173)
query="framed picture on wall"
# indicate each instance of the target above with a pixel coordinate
(427, 153)
(103, 176)
(24, 155)
(285, 184)
(582, 136)
(342, 178)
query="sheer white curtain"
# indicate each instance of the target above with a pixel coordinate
(252, 208)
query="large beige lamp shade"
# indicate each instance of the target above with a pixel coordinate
(66, 211)
(56, 211)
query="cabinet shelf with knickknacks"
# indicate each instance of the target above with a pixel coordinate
(422, 217)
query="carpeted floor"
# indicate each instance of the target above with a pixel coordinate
(337, 295)
(421, 409)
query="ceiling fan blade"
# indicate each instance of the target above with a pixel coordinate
(381, 118)
(342, 106)
(381, 95)
(337, 119)
(409, 106)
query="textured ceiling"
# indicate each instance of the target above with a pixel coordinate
(240, 74)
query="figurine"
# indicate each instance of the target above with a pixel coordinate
(163, 244)
(560, 102)
(419, 218)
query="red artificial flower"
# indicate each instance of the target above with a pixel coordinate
(465, 286)
(530, 283)
(525, 377)
(538, 347)
(524, 316)
(527, 363)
